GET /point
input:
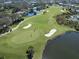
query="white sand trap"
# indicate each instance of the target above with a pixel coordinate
(50, 33)
(28, 26)
(62, 10)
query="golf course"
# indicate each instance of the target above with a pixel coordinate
(31, 32)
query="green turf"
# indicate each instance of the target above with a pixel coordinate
(15, 44)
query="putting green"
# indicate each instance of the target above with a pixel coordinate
(23, 38)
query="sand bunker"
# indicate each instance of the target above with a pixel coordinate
(50, 33)
(28, 26)
(62, 10)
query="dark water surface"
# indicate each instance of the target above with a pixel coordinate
(65, 46)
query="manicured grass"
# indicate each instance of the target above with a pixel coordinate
(15, 44)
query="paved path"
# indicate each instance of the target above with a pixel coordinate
(18, 25)
(15, 27)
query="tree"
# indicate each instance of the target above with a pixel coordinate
(60, 19)
(30, 52)
(2, 57)
(15, 10)
(77, 27)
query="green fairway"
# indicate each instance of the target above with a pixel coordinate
(15, 44)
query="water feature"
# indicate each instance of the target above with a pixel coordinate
(65, 46)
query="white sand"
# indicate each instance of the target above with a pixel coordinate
(50, 33)
(62, 10)
(28, 26)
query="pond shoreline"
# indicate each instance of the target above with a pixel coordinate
(55, 41)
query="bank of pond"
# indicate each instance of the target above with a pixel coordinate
(65, 46)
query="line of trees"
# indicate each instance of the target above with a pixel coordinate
(63, 20)
(7, 20)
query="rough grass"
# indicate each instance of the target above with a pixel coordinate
(15, 44)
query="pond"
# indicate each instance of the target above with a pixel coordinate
(65, 46)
